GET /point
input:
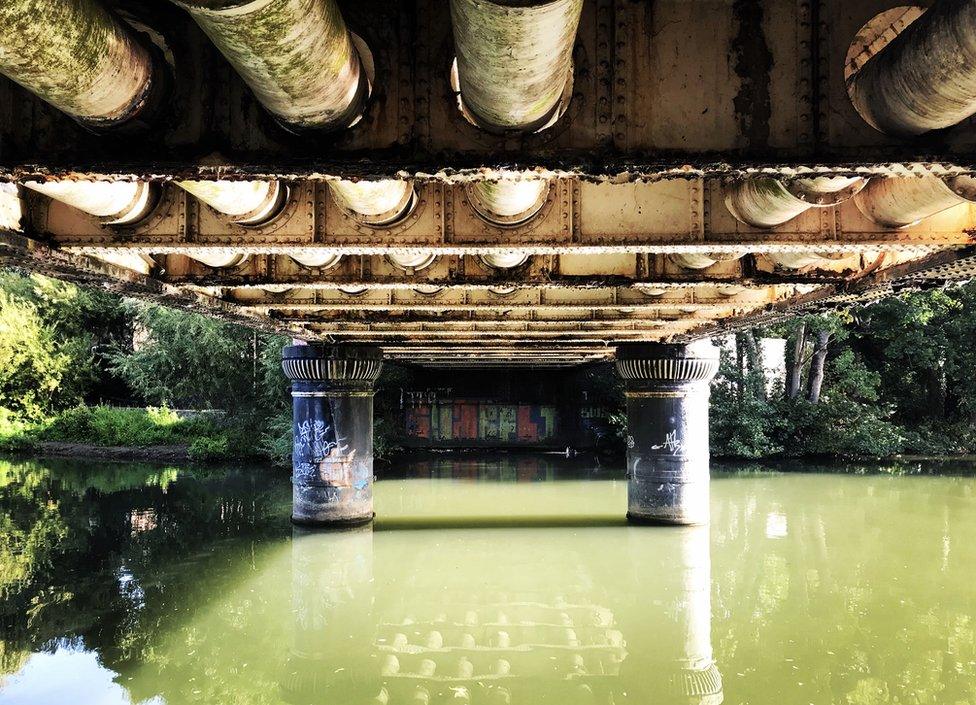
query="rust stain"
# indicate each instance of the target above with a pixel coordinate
(753, 63)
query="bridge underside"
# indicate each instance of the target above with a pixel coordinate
(707, 165)
(601, 264)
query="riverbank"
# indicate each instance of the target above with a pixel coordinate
(178, 454)
(153, 434)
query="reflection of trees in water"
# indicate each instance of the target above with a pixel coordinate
(858, 589)
(99, 551)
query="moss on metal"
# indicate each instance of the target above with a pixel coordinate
(296, 55)
(75, 55)
(514, 58)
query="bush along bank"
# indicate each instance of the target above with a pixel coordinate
(201, 437)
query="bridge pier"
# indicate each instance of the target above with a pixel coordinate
(332, 429)
(667, 430)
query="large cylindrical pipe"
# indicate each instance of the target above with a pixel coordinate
(667, 430)
(925, 78)
(514, 59)
(897, 202)
(219, 259)
(504, 260)
(380, 202)
(701, 260)
(412, 261)
(314, 259)
(11, 207)
(806, 258)
(246, 202)
(77, 56)
(766, 203)
(332, 457)
(296, 55)
(113, 202)
(508, 202)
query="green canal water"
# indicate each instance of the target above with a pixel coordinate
(490, 580)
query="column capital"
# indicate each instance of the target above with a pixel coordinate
(668, 364)
(343, 365)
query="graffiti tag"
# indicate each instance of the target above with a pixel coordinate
(672, 444)
(319, 438)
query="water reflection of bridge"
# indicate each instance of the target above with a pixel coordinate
(475, 620)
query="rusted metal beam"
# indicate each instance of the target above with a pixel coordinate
(852, 243)
(937, 269)
(576, 219)
(510, 315)
(468, 299)
(463, 169)
(357, 282)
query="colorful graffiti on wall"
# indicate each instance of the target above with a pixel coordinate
(483, 423)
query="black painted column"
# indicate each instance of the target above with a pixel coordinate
(332, 458)
(667, 430)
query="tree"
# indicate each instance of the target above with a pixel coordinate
(32, 363)
(817, 366)
(188, 360)
(794, 378)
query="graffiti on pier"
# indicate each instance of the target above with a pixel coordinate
(672, 444)
(318, 439)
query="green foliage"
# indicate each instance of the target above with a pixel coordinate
(210, 448)
(32, 363)
(848, 421)
(111, 426)
(276, 441)
(191, 361)
(751, 429)
(387, 437)
(16, 435)
(62, 334)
